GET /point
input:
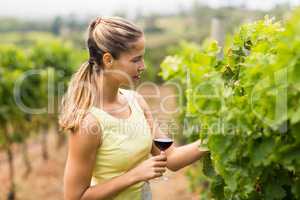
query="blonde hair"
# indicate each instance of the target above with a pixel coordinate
(110, 34)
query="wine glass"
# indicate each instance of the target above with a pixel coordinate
(163, 143)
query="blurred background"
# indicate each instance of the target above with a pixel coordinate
(49, 37)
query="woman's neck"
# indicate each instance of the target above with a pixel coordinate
(107, 91)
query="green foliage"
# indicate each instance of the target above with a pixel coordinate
(58, 58)
(247, 104)
(208, 169)
(30, 80)
(13, 63)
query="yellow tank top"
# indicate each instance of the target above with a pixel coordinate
(125, 144)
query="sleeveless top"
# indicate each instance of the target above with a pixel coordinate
(125, 144)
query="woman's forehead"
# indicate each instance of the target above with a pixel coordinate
(139, 45)
(138, 48)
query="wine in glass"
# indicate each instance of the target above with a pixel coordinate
(163, 144)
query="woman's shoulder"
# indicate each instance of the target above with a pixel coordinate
(90, 122)
(88, 132)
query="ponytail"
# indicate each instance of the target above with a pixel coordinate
(78, 98)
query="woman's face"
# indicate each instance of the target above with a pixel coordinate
(129, 65)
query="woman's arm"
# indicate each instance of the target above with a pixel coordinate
(83, 145)
(177, 157)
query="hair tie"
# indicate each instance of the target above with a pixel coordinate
(91, 61)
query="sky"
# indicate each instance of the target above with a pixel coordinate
(51, 8)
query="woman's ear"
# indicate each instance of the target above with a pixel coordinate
(107, 60)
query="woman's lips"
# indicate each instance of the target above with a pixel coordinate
(137, 77)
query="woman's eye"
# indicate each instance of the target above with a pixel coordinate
(137, 59)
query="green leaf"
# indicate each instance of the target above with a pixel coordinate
(274, 191)
(207, 166)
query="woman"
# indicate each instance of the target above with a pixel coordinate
(112, 128)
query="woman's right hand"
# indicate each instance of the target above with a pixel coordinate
(152, 168)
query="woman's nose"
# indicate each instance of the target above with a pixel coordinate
(141, 67)
(140, 71)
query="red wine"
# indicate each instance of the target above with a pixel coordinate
(163, 143)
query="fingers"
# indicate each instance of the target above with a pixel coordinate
(160, 164)
(159, 170)
(161, 157)
(158, 175)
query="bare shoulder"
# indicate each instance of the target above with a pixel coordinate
(88, 134)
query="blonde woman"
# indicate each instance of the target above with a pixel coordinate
(111, 129)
